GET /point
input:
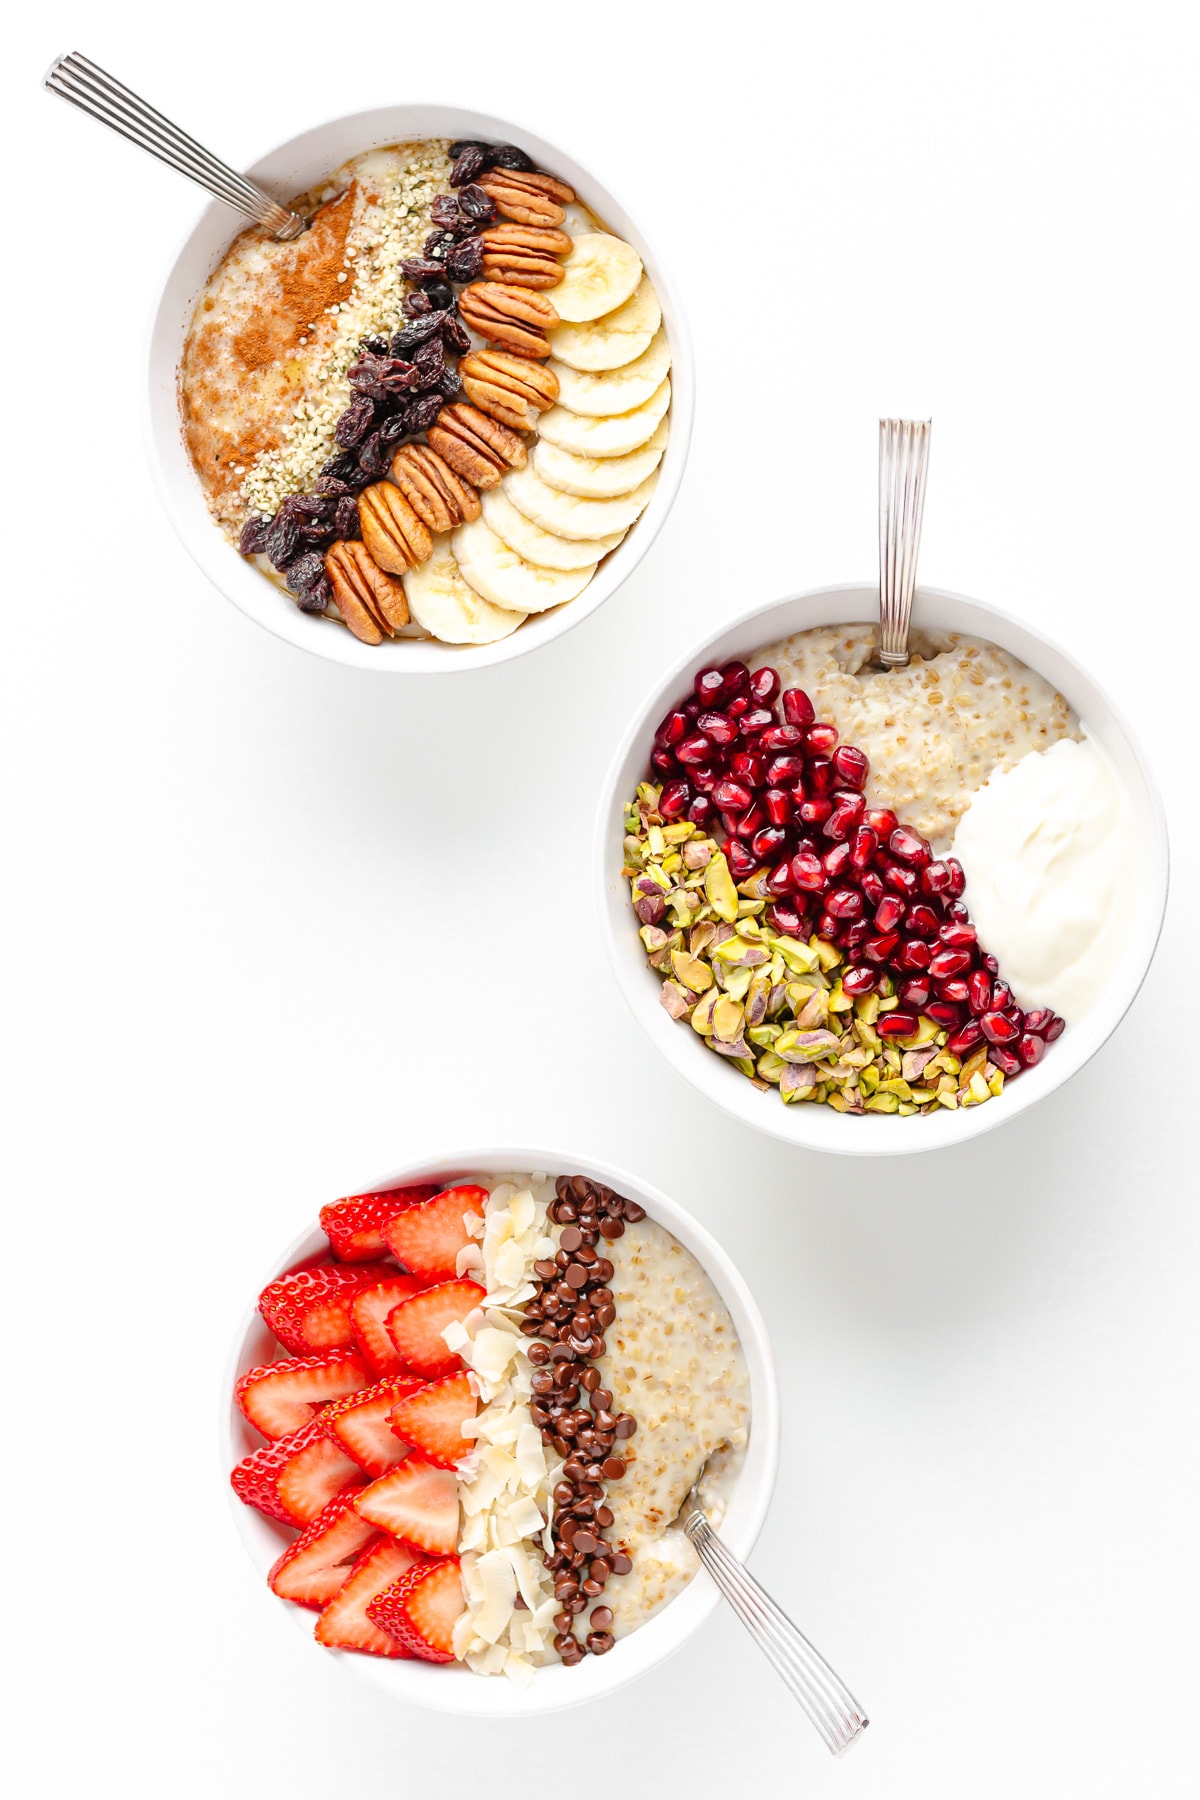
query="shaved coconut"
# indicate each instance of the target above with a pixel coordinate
(498, 1584)
(469, 1262)
(519, 1671)
(523, 1212)
(491, 1352)
(473, 1535)
(527, 1518)
(530, 1455)
(455, 1335)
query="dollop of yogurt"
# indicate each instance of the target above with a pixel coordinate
(1046, 850)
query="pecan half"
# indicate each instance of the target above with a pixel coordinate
(510, 388)
(475, 446)
(371, 602)
(391, 529)
(527, 196)
(525, 255)
(513, 317)
(440, 498)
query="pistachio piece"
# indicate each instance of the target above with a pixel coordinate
(739, 1048)
(702, 1016)
(691, 971)
(796, 1083)
(801, 958)
(728, 1018)
(718, 885)
(806, 1046)
(677, 1000)
(771, 1067)
(697, 855)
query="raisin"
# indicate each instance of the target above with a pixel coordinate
(393, 429)
(374, 346)
(418, 332)
(283, 538)
(339, 466)
(461, 144)
(304, 571)
(373, 458)
(254, 536)
(454, 332)
(354, 423)
(331, 485)
(440, 297)
(477, 205)
(421, 413)
(507, 156)
(437, 244)
(465, 261)
(450, 384)
(382, 376)
(472, 161)
(345, 519)
(309, 508)
(416, 305)
(430, 360)
(316, 598)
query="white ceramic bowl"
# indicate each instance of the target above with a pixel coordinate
(451, 1688)
(820, 1127)
(291, 169)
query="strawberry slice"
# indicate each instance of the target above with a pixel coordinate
(431, 1419)
(314, 1567)
(280, 1397)
(428, 1238)
(415, 1326)
(344, 1624)
(368, 1320)
(360, 1424)
(354, 1225)
(310, 1308)
(416, 1502)
(295, 1478)
(420, 1609)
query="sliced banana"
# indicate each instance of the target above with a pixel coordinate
(599, 274)
(448, 607)
(568, 516)
(538, 546)
(613, 340)
(506, 579)
(598, 477)
(614, 390)
(614, 436)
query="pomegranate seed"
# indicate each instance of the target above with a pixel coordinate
(764, 686)
(954, 990)
(827, 925)
(738, 705)
(708, 685)
(778, 805)
(1055, 1029)
(990, 964)
(780, 879)
(785, 916)
(1007, 1060)
(858, 979)
(882, 820)
(852, 937)
(956, 910)
(816, 810)
(741, 860)
(840, 824)
(889, 912)
(729, 824)
(844, 903)
(783, 769)
(915, 992)
(705, 778)
(735, 678)
(922, 921)
(863, 846)
(958, 878)
(957, 935)
(662, 762)
(945, 1013)
(998, 1028)
(914, 954)
(949, 962)
(673, 727)
(837, 861)
(807, 871)
(879, 949)
(896, 1024)
(871, 883)
(745, 765)
(820, 775)
(798, 709)
(821, 738)
(968, 1037)
(731, 796)
(751, 822)
(701, 811)
(675, 799)
(718, 726)
(782, 737)
(766, 842)
(1038, 1020)
(695, 749)
(936, 878)
(1031, 1049)
(851, 765)
(979, 990)
(909, 847)
(690, 707)
(1002, 998)
(751, 723)
(903, 880)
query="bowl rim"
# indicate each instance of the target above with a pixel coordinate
(178, 487)
(457, 1690)
(806, 1127)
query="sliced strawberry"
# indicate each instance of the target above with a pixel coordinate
(310, 1308)
(344, 1624)
(431, 1419)
(361, 1425)
(428, 1238)
(294, 1478)
(368, 1319)
(415, 1326)
(280, 1397)
(314, 1567)
(354, 1225)
(415, 1502)
(421, 1608)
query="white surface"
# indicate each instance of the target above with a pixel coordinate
(244, 884)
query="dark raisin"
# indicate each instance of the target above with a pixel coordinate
(416, 305)
(437, 244)
(380, 377)
(421, 413)
(254, 536)
(283, 538)
(418, 332)
(373, 458)
(339, 466)
(469, 164)
(354, 423)
(507, 156)
(393, 429)
(454, 332)
(316, 598)
(461, 144)
(374, 346)
(304, 571)
(430, 360)
(345, 521)
(444, 210)
(309, 508)
(331, 485)
(440, 296)
(450, 384)
(420, 268)
(477, 205)
(465, 261)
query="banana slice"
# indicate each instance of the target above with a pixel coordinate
(614, 390)
(613, 340)
(566, 515)
(506, 579)
(614, 436)
(598, 478)
(538, 546)
(599, 274)
(448, 607)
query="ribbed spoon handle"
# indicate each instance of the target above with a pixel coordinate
(903, 461)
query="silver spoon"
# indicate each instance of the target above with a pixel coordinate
(826, 1699)
(103, 97)
(903, 460)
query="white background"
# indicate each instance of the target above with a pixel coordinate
(276, 926)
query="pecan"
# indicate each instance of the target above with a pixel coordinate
(391, 529)
(513, 317)
(370, 602)
(525, 255)
(527, 196)
(510, 388)
(440, 498)
(475, 446)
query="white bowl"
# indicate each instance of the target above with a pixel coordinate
(294, 167)
(452, 1688)
(820, 1127)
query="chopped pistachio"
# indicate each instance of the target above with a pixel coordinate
(770, 1066)
(805, 1046)
(702, 1017)
(728, 1018)
(691, 971)
(697, 855)
(718, 885)
(883, 1101)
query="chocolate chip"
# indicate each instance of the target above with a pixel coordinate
(577, 1276)
(621, 1564)
(613, 1468)
(570, 1239)
(600, 1642)
(600, 1618)
(625, 1426)
(633, 1212)
(604, 1517)
(612, 1229)
(602, 1399)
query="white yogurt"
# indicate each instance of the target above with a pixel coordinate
(1047, 850)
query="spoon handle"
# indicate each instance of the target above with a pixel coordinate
(826, 1699)
(903, 460)
(103, 97)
